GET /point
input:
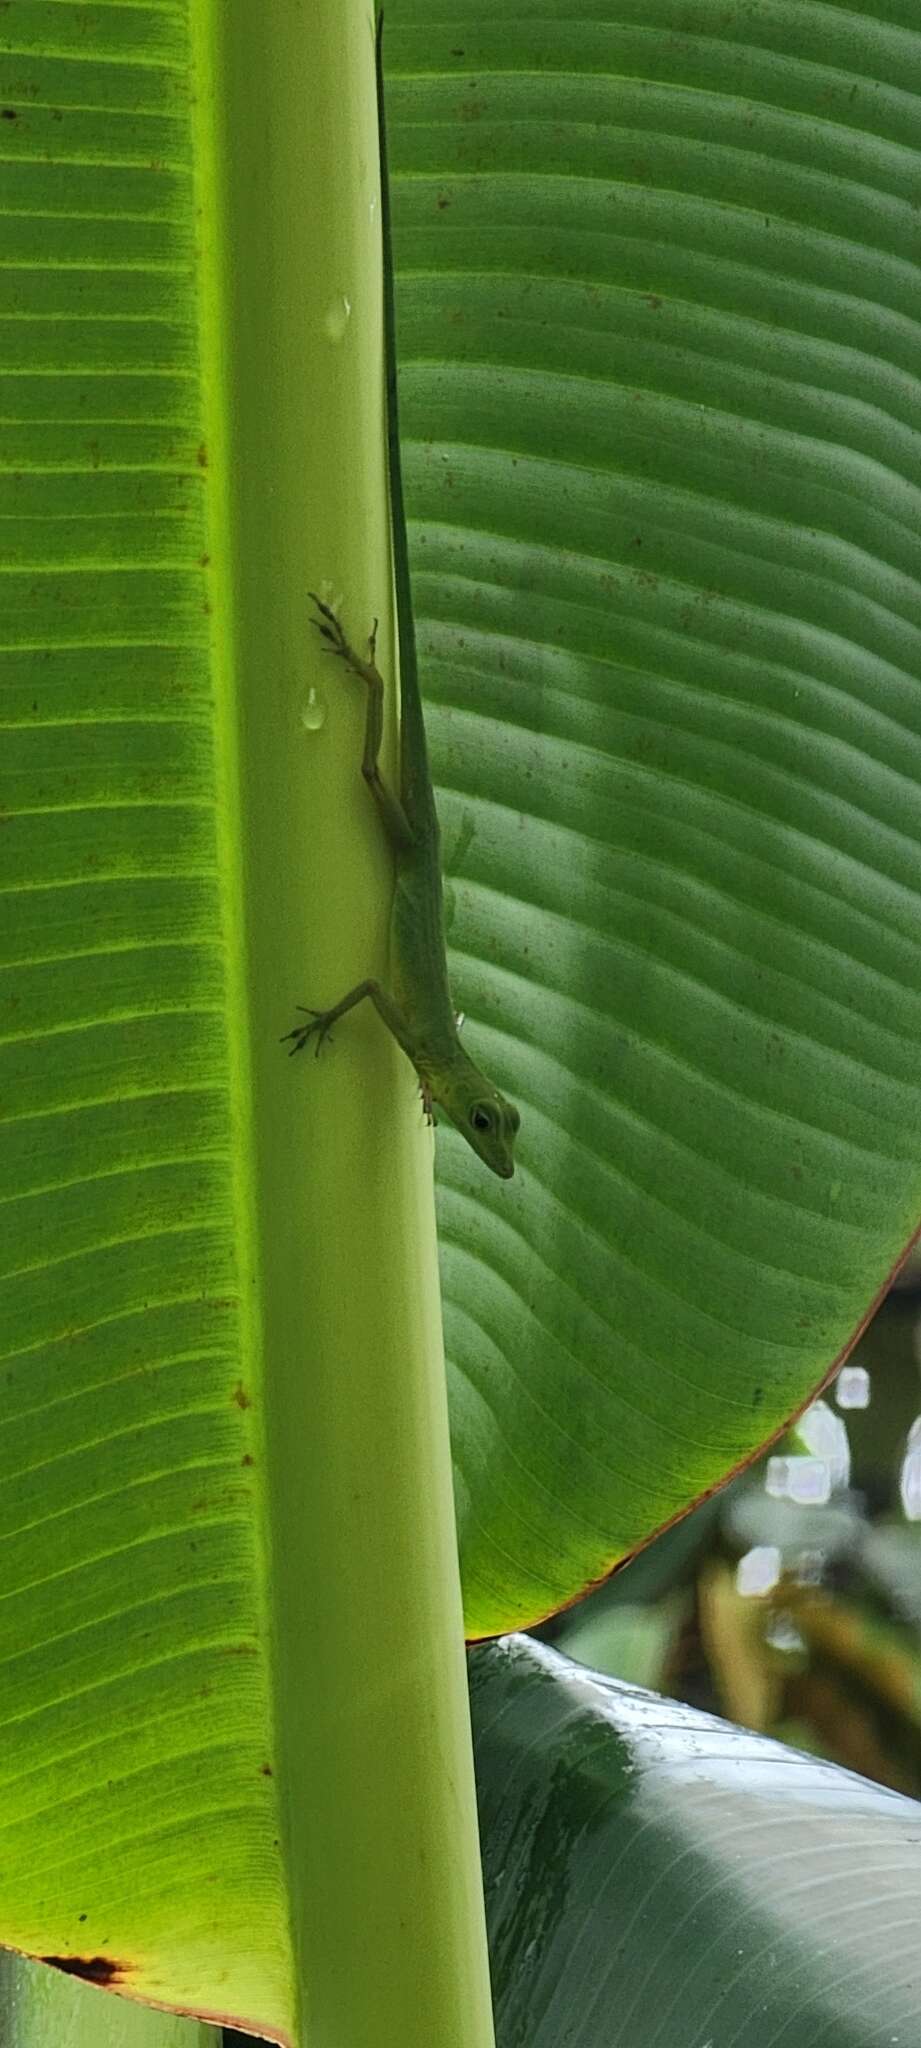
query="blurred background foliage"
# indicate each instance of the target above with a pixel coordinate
(790, 1602)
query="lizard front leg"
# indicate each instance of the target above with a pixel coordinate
(320, 1022)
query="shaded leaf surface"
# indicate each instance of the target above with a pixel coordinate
(657, 1877)
(658, 328)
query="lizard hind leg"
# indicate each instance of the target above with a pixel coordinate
(396, 824)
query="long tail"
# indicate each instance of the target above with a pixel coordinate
(412, 748)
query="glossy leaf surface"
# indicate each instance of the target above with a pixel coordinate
(658, 1878)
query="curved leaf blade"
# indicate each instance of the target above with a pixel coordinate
(658, 341)
(657, 1877)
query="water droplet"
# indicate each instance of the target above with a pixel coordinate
(784, 1635)
(810, 1568)
(759, 1570)
(809, 1481)
(806, 1480)
(338, 315)
(313, 709)
(910, 1479)
(776, 1478)
(824, 1434)
(852, 1388)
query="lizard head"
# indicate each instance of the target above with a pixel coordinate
(483, 1116)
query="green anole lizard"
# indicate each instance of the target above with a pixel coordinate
(417, 1006)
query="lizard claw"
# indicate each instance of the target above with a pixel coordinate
(317, 1027)
(334, 635)
(328, 626)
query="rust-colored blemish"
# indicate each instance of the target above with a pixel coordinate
(241, 1396)
(93, 1969)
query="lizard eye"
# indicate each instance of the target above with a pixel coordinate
(481, 1118)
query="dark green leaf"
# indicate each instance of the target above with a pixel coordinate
(658, 1879)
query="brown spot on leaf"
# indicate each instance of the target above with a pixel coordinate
(241, 1396)
(94, 1969)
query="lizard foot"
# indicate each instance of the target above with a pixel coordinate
(328, 625)
(318, 1028)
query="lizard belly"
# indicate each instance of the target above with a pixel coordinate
(418, 970)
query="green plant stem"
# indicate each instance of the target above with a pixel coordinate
(374, 1765)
